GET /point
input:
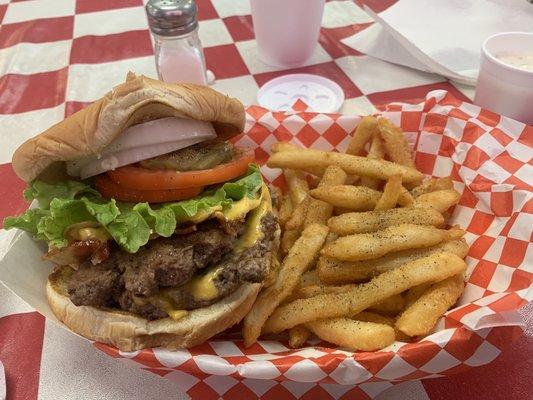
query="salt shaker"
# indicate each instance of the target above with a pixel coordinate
(178, 51)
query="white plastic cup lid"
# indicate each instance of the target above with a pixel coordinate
(319, 93)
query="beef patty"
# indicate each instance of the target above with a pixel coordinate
(126, 281)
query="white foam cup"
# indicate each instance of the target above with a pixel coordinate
(286, 30)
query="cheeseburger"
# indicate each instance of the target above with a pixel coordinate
(161, 230)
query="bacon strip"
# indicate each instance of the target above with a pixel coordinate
(78, 252)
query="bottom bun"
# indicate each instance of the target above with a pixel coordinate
(129, 332)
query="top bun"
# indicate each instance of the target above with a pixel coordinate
(139, 99)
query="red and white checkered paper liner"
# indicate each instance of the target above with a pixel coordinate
(489, 159)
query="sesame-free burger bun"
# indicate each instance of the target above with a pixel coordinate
(129, 332)
(139, 99)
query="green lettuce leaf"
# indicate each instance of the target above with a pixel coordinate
(27, 221)
(129, 229)
(44, 192)
(66, 203)
(162, 221)
(63, 214)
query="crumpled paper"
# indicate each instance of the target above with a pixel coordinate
(442, 37)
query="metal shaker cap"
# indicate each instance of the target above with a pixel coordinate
(172, 17)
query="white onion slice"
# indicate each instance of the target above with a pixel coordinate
(143, 141)
(161, 130)
(112, 161)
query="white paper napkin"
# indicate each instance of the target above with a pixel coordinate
(440, 36)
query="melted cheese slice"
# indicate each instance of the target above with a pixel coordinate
(87, 231)
(252, 230)
(240, 208)
(166, 303)
(202, 287)
(201, 215)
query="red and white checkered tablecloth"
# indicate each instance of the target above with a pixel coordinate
(58, 55)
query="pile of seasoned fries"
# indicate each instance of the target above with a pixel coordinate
(365, 256)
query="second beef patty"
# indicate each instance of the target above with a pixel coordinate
(126, 281)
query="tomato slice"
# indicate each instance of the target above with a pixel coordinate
(134, 177)
(109, 188)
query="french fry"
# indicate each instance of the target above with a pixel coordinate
(424, 187)
(371, 221)
(285, 210)
(298, 336)
(432, 185)
(273, 272)
(340, 211)
(331, 237)
(414, 293)
(315, 290)
(369, 316)
(333, 272)
(288, 239)
(300, 257)
(283, 146)
(307, 291)
(315, 173)
(377, 149)
(433, 268)
(354, 165)
(356, 198)
(395, 143)
(353, 335)
(352, 179)
(333, 176)
(405, 199)
(444, 183)
(390, 306)
(309, 278)
(440, 200)
(297, 184)
(362, 134)
(366, 246)
(376, 152)
(275, 195)
(319, 211)
(390, 195)
(371, 183)
(400, 336)
(309, 285)
(421, 316)
(296, 221)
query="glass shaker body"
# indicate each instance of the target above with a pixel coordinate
(180, 58)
